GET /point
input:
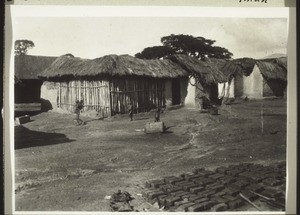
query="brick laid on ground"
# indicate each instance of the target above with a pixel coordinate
(173, 179)
(165, 187)
(196, 189)
(161, 200)
(232, 191)
(173, 189)
(219, 207)
(198, 170)
(204, 199)
(184, 207)
(216, 188)
(215, 176)
(180, 193)
(235, 204)
(219, 199)
(239, 185)
(170, 201)
(204, 181)
(157, 183)
(181, 202)
(207, 193)
(201, 206)
(188, 186)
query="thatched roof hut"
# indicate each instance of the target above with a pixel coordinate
(29, 66)
(27, 84)
(269, 68)
(207, 72)
(111, 65)
(272, 71)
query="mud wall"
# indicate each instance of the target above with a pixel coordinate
(49, 93)
(253, 84)
(184, 82)
(190, 99)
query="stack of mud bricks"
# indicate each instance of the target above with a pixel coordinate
(219, 190)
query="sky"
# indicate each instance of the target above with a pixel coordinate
(93, 37)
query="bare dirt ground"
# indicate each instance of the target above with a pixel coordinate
(64, 167)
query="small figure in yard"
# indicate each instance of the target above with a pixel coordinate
(130, 109)
(157, 114)
(78, 108)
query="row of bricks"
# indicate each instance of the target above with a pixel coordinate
(201, 204)
(232, 189)
(229, 194)
(197, 179)
(251, 168)
(271, 179)
(183, 198)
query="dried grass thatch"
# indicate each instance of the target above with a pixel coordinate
(29, 66)
(207, 72)
(112, 65)
(269, 68)
(272, 71)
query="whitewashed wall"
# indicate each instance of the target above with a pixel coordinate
(253, 84)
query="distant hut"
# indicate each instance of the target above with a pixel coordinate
(234, 71)
(111, 83)
(27, 84)
(204, 79)
(255, 79)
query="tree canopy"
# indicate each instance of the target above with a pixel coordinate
(198, 47)
(155, 52)
(22, 46)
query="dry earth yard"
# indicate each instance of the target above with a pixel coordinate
(61, 166)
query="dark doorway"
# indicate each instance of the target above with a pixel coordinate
(213, 93)
(176, 91)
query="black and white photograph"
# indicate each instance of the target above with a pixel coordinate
(184, 110)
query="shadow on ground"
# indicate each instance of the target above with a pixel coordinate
(25, 138)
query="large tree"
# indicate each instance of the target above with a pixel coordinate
(155, 52)
(22, 46)
(198, 47)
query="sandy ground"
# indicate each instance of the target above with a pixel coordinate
(64, 167)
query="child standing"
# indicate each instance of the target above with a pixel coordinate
(130, 109)
(78, 107)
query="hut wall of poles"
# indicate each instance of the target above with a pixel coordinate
(112, 96)
(143, 94)
(95, 95)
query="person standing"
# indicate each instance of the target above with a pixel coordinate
(78, 107)
(130, 111)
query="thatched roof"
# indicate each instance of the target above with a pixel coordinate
(207, 72)
(272, 71)
(218, 62)
(29, 66)
(112, 65)
(269, 68)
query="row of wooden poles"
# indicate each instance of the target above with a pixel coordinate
(109, 98)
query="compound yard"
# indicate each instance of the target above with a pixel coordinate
(64, 167)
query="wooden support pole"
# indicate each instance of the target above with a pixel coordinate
(250, 202)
